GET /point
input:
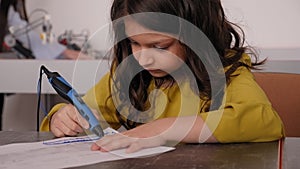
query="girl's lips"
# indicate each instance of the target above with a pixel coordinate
(157, 72)
(153, 70)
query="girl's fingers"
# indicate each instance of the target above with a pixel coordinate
(74, 115)
(65, 121)
(145, 143)
(134, 140)
(113, 142)
(118, 141)
(95, 147)
(83, 123)
(134, 147)
(70, 129)
(59, 127)
(74, 120)
(57, 132)
(123, 142)
(71, 123)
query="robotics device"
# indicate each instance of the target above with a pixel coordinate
(65, 90)
(76, 41)
(12, 42)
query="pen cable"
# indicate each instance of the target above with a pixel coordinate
(39, 105)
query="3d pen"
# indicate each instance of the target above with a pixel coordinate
(65, 90)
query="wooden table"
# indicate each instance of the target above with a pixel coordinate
(186, 156)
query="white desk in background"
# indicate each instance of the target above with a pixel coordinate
(286, 60)
(21, 76)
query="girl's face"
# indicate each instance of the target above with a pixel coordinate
(156, 52)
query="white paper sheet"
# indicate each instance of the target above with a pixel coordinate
(42, 155)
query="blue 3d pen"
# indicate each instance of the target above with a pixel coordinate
(65, 90)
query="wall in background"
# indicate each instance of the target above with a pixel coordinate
(271, 25)
(267, 23)
(76, 15)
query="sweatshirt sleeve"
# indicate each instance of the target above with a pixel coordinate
(246, 116)
(45, 125)
(98, 98)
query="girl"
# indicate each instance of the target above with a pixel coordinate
(168, 84)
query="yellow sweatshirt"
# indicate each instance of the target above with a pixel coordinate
(246, 114)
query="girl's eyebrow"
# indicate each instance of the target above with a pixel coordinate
(130, 39)
(155, 41)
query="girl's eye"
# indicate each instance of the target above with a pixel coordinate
(160, 47)
(133, 43)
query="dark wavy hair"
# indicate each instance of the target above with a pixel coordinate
(207, 15)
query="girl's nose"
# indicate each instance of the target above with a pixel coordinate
(145, 58)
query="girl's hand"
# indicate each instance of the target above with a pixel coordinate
(67, 121)
(181, 129)
(144, 136)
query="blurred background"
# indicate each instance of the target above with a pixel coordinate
(267, 23)
(271, 26)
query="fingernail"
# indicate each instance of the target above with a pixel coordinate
(86, 125)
